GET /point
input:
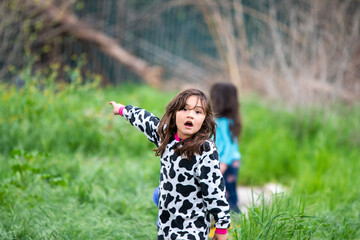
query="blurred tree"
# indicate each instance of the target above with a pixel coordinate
(44, 21)
(297, 51)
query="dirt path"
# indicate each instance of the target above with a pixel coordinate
(247, 195)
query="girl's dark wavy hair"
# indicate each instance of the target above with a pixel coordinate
(225, 103)
(167, 126)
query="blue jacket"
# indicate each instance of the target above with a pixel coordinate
(227, 148)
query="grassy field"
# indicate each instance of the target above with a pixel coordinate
(69, 169)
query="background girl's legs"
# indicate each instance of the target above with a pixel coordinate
(230, 177)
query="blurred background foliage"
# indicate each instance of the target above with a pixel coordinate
(299, 52)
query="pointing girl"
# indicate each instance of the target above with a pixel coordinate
(191, 185)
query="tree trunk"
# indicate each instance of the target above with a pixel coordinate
(110, 46)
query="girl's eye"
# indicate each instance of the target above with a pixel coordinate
(198, 112)
(185, 109)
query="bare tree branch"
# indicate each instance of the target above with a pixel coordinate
(72, 25)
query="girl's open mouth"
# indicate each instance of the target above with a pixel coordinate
(188, 124)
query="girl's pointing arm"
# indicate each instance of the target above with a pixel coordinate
(143, 120)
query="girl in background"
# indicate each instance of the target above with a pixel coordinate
(191, 184)
(225, 103)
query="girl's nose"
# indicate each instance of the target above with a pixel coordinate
(191, 113)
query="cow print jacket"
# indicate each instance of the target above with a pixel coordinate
(190, 190)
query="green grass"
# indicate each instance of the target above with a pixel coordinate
(76, 197)
(288, 217)
(69, 169)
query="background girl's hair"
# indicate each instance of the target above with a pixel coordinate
(225, 103)
(167, 127)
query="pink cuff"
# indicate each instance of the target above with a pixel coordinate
(121, 110)
(221, 231)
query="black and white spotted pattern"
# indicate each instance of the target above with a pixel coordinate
(190, 190)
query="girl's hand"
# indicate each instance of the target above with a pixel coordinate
(223, 168)
(116, 107)
(220, 236)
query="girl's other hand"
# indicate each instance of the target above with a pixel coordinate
(220, 236)
(116, 107)
(223, 168)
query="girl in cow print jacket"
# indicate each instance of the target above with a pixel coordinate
(191, 185)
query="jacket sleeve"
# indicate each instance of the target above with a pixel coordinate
(221, 140)
(213, 186)
(143, 120)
